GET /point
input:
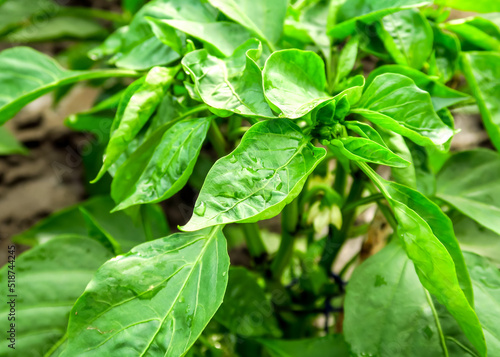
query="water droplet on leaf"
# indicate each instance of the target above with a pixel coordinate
(200, 209)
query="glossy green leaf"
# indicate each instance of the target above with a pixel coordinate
(264, 18)
(486, 281)
(225, 37)
(482, 71)
(361, 149)
(246, 309)
(262, 175)
(469, 181)
(365, 130)
(438, 222)
(145, 55)
(467, 5)
(477, 32)
(347, 59)
(134, 111)
(475, 238)
(146, 179)
(27, 74)
(394, 102)
(155, 300)
(118, 225)
(329, 345)
(231, 85)
(389, 313)
(408, 37)
(446, 55)
(441, 95)
(347, 13)
(49, 278)
(295, 82)
(9, 144)
(140, 49)
(428, 238)
(167, 34)
(309, 27)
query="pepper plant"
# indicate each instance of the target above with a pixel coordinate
(334, 118)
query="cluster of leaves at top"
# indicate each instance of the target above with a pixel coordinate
(280, 93)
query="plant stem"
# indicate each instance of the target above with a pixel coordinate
(340, 179)
(253, 239)
(363, 201)
(438, 324)
(217, 139)
(289, 221)
(336, 238)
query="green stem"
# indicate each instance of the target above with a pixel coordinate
(289, 221)
(372, 175)
(340, 179)
(217, 139)
(330, 193)
(389, 216)
(234, 126)
(336, 238)
(363, 201)
(253, 238)
(438, 324)
(56, 345)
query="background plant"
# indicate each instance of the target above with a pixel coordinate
(322, 112)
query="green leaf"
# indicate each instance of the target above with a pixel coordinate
(441, 95)
(155, 300)
(295, 82)
(394, 102)
(407, 36)
(361, 149)
(140, 49)
(473, 237)
(486, 280)
(364, 130)
(467, 5)
(27, 74)
(132, 5)
(469, 182)
(231, 85)
(145, 55)
(477, 32)
(49, 278)
(388, 312)
(9, 144)
(118, 225)
(223, 37)
(309, 27)
(347, 59)
(329, 345)
(262, 175)
(264, 18)
(427, 236)
(482, 71)
(164, 170)
(14, 13)
(447, 51)
(438, 222)
(246, 309)
(347, 13)
(59, 28)
(135, 109)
